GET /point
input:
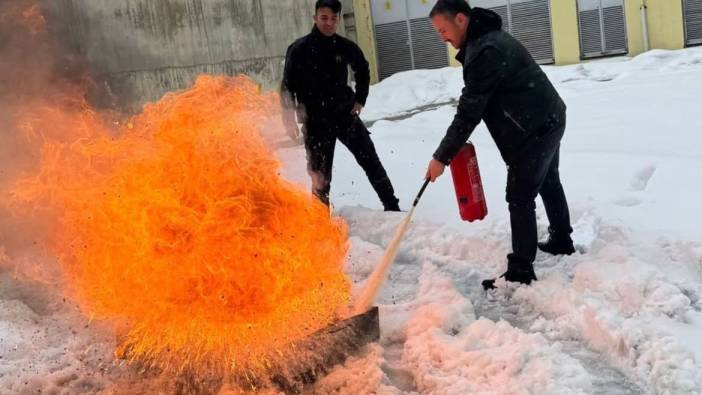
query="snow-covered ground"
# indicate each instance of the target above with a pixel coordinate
(621, 316)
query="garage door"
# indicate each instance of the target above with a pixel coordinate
(693, 21)
(405, 38)
(529, 21)
(602, 28)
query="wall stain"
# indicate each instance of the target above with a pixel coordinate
(160, 19)
(248, 13)
(141, 49)
(135, 88)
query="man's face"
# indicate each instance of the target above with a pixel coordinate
(326, 20)
(451, 29)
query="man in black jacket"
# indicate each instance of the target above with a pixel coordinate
(315, 88)
(506, 89)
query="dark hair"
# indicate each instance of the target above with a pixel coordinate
(450, 8)
(334, 5)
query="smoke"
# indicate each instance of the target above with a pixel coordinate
(36, 69)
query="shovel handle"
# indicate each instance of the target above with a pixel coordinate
(421, 192)
(379, 274)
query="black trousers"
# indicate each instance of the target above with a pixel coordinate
(535, 172)
(320, 141)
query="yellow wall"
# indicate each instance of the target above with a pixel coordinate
(452, 52)
(665, 24)
(665, 29)
(365, 35)
(566, 39)
(634, 28)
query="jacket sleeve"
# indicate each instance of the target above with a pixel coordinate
(288, 87)
(482, 76)
(361, 72)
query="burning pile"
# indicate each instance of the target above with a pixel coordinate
(177, 227)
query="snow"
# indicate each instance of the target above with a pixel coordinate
(46, 346)
(394, 96)
(623, 315)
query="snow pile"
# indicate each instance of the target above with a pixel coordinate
(46, 346)
(623, 315)
(403, 92)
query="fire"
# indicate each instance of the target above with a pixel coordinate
(177, 227)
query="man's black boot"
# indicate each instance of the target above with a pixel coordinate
(394, 205)
(514, 276)
(557, 245)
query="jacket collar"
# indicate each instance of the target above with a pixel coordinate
(481, 22)
(319, 36)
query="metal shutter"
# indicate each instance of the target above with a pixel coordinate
(392, 40)
(614, 29)
(590, 33)
(428, 51)
(602, 28)
(529, 21)
(693, 21)
(500, 7)
(405, 37)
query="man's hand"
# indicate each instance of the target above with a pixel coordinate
(291, 128)
(357, 108)
(290, 124)
(435, 170)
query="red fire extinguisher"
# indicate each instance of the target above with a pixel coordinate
(466, 181)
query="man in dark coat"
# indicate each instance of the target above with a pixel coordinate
(526, 117)
(315, 87)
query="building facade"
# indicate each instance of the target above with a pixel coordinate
(140, 49)
(396, 35)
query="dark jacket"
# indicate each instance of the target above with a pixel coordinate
(504, 87)
(316, 75)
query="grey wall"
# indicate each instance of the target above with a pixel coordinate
(140, 49)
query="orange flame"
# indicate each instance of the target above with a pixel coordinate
(178, 226)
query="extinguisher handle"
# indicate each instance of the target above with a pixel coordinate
(421, 192)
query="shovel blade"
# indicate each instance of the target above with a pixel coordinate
(326, 348)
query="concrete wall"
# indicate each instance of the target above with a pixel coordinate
(144, 48)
